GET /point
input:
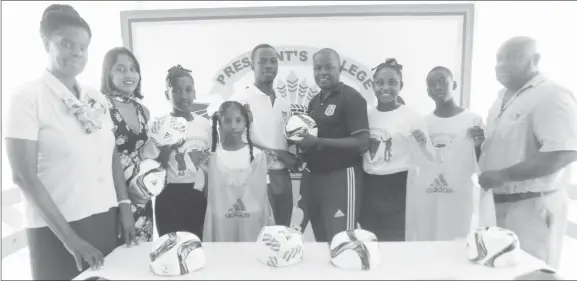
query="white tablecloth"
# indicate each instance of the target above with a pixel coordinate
(399, 260)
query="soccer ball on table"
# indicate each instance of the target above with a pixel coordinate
(355, 249)
(177, 253)
(493, 247)
(280, 246)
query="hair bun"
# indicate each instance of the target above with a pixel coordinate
(391, 61)
(178, 67)
(60, 8)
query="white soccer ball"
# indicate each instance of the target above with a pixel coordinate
(167, 130)
(279, 246)
(144, 180)
(300, 124)
(177, 253)
(355, 249)
(493, 247)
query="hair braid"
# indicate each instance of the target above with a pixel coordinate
(248, 140)
(214, 131)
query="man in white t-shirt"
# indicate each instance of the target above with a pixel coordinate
(531, 138)
(269, 115)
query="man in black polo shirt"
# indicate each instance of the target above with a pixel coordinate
(334, 157)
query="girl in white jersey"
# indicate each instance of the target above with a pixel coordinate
(181, 206)
(238, 204)
(386, 164)
(457, 135)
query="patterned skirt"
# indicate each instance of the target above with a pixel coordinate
(143, 222)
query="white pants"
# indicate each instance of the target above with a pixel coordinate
(540, 223)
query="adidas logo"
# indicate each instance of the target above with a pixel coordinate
(439, 185)
(238, 210)
(339, 214)
(154, 182)
(167, 135)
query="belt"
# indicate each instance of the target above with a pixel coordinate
(278, 171)
(508, 198)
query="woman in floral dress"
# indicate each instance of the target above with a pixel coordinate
(121, 85)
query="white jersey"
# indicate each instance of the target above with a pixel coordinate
(389, 149)
(451, 192)
(443, 131)
(238, 206)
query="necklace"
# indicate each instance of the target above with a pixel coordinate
(121, 98)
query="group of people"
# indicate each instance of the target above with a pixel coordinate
(68, 147)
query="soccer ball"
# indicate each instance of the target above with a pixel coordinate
(177, 253)
(279, 246)
(355, 249)
(167, 130)
(493, 247)
(300, 124)
(144, 180)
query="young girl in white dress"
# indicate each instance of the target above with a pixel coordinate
(238, 205)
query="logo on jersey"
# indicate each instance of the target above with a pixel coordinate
(442, 144)
(330, 110)
(238, 210)
(439, 185)
(381, 137)
(339, 214)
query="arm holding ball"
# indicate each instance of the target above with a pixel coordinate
(357, 122)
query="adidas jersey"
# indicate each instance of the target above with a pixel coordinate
(440, 195)
(180, 168)
(238, 206)
(443, 131)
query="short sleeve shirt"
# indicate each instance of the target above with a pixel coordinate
(540, 117)
(341, 114)
(74, 167)
(268, 120)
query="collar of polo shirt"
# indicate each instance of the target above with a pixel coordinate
(534, 82)
(337, 90)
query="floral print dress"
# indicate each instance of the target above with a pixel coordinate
(129, 141)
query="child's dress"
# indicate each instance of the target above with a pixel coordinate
(238, 206)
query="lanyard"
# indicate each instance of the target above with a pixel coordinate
(488, 143)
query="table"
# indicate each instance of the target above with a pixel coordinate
(399, 260)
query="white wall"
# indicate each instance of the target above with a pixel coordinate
(210, 46)
(551, 23)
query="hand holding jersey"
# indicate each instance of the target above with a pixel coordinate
(477, 133)
(448, 193)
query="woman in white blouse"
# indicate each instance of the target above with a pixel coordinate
(62, 151)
